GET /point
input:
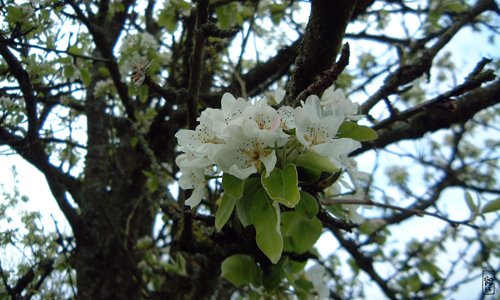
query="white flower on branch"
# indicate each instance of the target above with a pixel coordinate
(317, 131)
(335, 103)
(243, 138)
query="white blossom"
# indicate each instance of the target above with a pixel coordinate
(335, 103)
(316, 275)
(203, 141)
(5, 102)
(193, 170)
(103, 87)
(317, 131)
(246, 151)
(287, 116)
(274, 98)
(243, 138)
(142, 40)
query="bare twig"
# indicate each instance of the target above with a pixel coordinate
(422, 63)
(414, 211)
(23, 78)
(196, 62)
(325, 79)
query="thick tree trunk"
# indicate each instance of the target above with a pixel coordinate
(113, 206)
(116, 216)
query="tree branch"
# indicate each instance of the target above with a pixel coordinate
(422, 63)
(330, 221)
(320, 44)
(45, 266)
(196, 62)
(435, 118)
(412, 211)
(262, 75)
(5, 282)
(363, 262)
(23, 78)
(444, 101)
(105, 45)
(328, 77)
(82, 56)
(58, 182)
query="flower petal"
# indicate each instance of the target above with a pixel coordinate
(196, 196)
(269, 162)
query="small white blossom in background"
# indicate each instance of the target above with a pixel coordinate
(275, 98)
(142, 40)
(5, 102)
(134, 50)
(243, 138)
(127, 65)
(316, 275)
(353, 185)
(10, 112)
(103, 87)
(398, 175)
(317, 130)
(335, 103)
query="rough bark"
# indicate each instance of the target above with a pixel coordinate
(321, 43)
(436, 118)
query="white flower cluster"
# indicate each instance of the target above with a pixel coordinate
(142, 40)
(134, 51)
(5, 102)
(356, 178)
(103, 87)
(244, 137)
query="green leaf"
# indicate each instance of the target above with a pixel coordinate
(303, 287)
(168, 19)
(470, 203)
(454, 6)
(178, 266)
(232, 185)
(227, 15)
(152, 184)
(337, 211)
(240, 269)
(265, 216)
(299, 234)
(143, 94)
(14, 14)
(357, 132)
(277, 13)
(244, 204)
(68, 71)
(274, 274)
(85, 76)
(75, 50)
(293, 266)
(224, 211)
(431, 268)
(233, 190)
(63, 60)
(491, 206)
(134, 141)
(307, 207)
(283, 185)
(316, 161)
(308, 175)
(414, 282)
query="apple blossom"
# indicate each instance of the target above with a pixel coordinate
(248, 148)
(243, 138)
(317, 131)
(335, 103)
